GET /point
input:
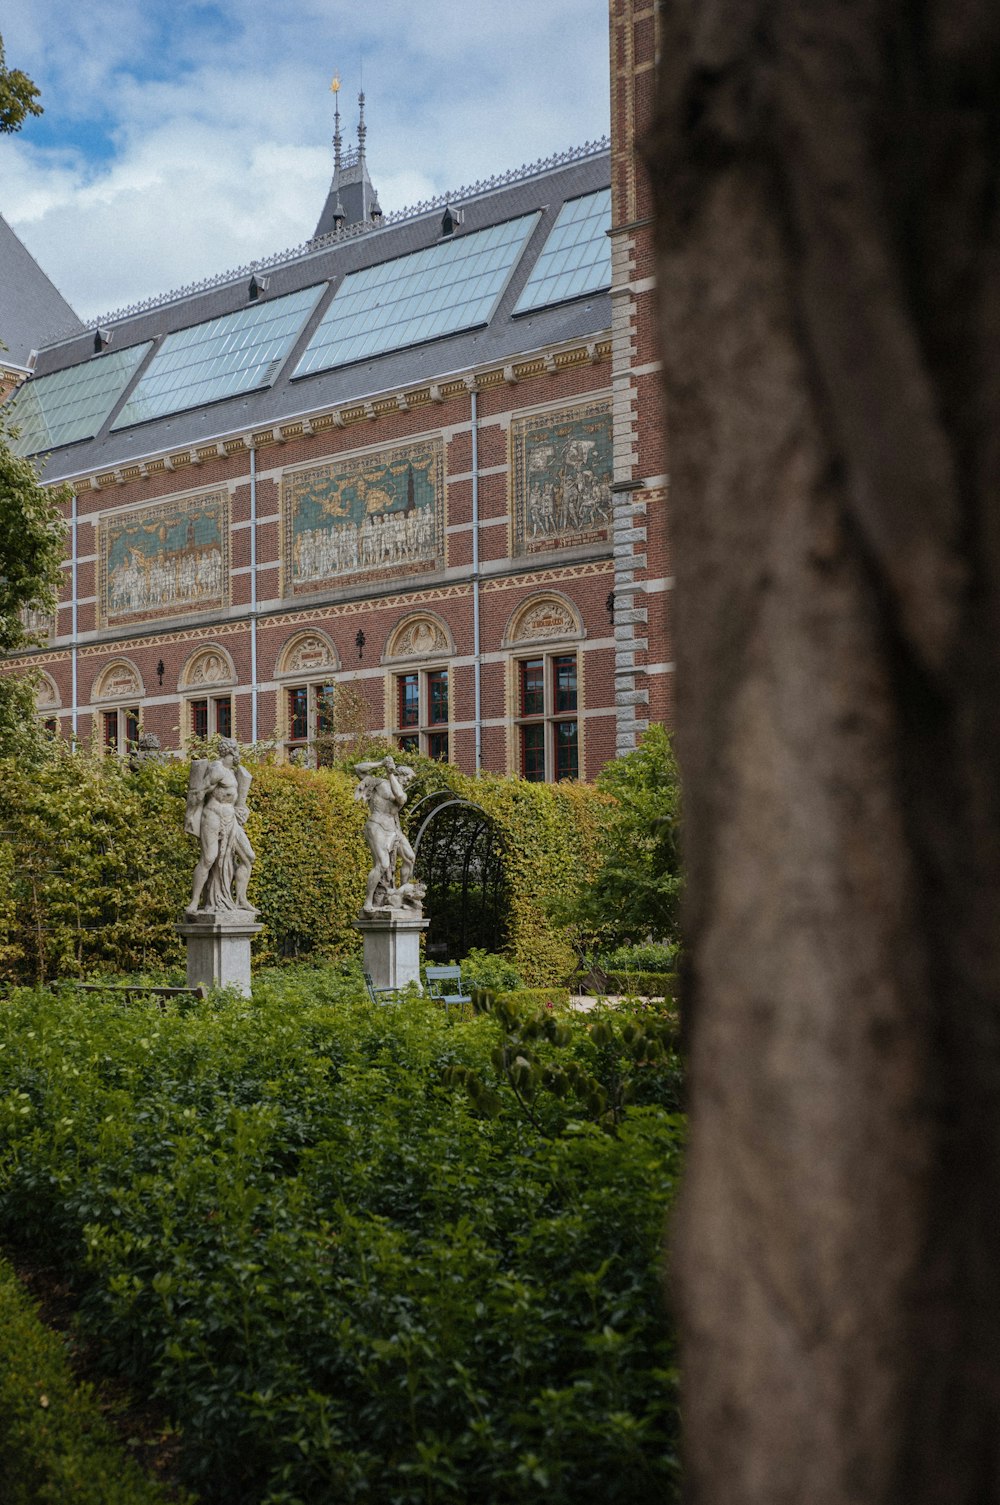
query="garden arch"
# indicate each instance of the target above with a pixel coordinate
(459, 856)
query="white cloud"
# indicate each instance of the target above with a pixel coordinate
(220, 119)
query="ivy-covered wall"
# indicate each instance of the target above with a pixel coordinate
(95, 867)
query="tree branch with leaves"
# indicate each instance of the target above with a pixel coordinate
(18, 96)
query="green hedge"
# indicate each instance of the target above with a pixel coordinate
(644, 984)
(535, 998)
(55, 1445)
(341, 1278)
(95, 867)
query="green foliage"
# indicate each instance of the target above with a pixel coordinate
(99, 865)
(32, 545)
(341, 1279)
(18, 96)
(534, 998)
(635, 890)
(623, 1059)
(55, 1445)
(548, 841)
(644, 984)
(640, 959)
(484, 969)
(312, 861)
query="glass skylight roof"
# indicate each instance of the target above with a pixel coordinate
(576, 258)
(454, 285)
(220, 358)
(72, 404)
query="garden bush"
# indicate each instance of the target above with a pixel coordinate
(484, 969)
(635, 881)
(342, 1277)
(648, 958)
(644, 984)
(55, 1444)
(553, 998)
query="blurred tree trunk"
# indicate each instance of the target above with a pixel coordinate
(829, 270)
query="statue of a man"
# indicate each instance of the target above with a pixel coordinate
(216, 814)
(385, 795)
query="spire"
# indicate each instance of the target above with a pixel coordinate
(337, 140)
(351, 198)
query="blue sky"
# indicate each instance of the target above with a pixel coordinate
(180, 139)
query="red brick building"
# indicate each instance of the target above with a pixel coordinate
(417, 460)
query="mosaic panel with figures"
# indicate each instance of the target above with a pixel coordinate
(561, 478)
(165, 560)
(372, 516)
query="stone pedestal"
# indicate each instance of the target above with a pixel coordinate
(392, 946)
(218, 947)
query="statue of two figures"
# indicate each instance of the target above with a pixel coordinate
(382, 788)
(216, 814)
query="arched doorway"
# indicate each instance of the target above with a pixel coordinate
(458, 856)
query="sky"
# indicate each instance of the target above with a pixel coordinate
(180, 139)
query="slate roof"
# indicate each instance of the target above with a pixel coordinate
(32, 309)
(504, 338)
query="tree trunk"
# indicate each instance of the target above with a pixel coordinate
(827, 180)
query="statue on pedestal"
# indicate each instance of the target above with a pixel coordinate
(216, 814)
(382, 788)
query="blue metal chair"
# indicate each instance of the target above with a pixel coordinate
(380, 995)
(444, 984)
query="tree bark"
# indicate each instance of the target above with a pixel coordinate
(826, 181)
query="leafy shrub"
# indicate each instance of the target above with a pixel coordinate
(640, 959)
(484, 969)
(534, 998)
(635, 888)
(312, 862)
(559, 1069)
(340, 1277)
(643, 984)
(54, 1442)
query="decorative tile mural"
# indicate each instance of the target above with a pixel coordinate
(374, 515)
(561, 477)
(164, 561)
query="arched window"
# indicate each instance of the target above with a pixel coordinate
(118, 692)
(47, 702)
(207, 682)
(419, 688)
(307, 669)
(544, 688)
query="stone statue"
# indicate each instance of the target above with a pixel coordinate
(216, 814)
(382, 788)
(147, 750)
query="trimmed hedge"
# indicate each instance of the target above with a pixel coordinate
(343, 1277)
(536, 998)
(55, 1445)
(644, 984)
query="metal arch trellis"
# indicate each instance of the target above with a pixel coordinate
(458, 855)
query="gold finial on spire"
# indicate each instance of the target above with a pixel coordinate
(335, 84)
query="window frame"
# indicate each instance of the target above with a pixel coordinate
(318, 707)
(218, 708)
(431, 733)
(540, 752)
(116, 719)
